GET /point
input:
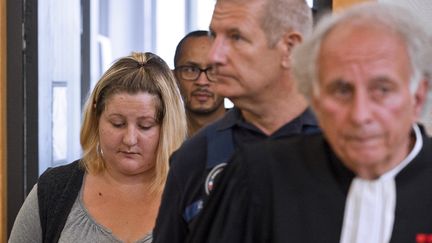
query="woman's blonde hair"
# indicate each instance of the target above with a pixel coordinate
(139, 72)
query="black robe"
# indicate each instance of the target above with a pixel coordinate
(294, 190)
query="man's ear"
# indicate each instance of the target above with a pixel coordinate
(420, 97)
(288, 41)
(314, 102)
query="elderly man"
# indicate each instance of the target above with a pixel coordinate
(252, 42)
(368, 177)
(195, 78)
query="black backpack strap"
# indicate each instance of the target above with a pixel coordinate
(58, 188)
(311, 129)
(220, 147)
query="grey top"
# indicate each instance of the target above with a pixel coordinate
(79, 227)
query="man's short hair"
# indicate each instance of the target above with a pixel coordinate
(179, 48)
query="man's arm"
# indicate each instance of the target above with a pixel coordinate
(170, 225)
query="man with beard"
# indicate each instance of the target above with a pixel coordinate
(195, 80)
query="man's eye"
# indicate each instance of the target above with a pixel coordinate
(381, 91)
(341, 90)
(190, 69)
(236, 37)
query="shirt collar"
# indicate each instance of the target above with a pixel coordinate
(411, 155)
(231, 118)
(234, 117)
(370, 204)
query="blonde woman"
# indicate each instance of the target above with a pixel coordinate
(133, 120)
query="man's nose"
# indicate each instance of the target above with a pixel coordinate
(218, 50)
(202, 79)
(361, 108)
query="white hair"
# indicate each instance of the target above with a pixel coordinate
(397, 19)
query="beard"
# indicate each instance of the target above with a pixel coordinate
(202, 111)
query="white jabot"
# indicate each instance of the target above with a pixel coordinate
(370, 205)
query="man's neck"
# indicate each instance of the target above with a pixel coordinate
(272, 115)
(197, 121)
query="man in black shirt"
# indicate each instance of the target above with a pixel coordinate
(368, 177)
(251, 54)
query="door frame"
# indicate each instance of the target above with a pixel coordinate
(21, 103)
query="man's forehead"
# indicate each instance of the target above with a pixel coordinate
(238, 18)
(356, 35)
(196, 41)
(237, 1)
(195, 51)
(224, 8)
(353, 25)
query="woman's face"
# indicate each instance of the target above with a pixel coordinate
(129, 133)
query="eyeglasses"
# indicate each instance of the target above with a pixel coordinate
(192, 73)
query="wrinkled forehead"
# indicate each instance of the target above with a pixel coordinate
(255, 6)
(362, 25)
(362, 39)
(370, 51)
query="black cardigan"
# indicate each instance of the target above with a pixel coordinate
(57, 190)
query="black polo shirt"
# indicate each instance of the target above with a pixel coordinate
(188, 172)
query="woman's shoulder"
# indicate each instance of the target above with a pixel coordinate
(61, 171)
(55, 178)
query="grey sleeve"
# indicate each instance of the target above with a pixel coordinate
(27, 227)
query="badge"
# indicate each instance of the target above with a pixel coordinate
(209, 182)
